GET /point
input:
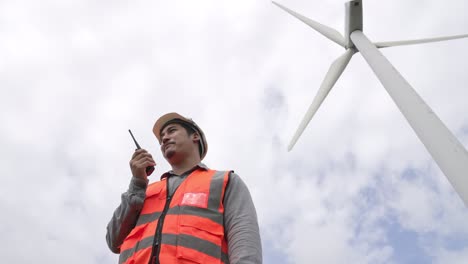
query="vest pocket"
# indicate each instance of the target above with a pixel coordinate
(130, 244)
(198, 243)
(134, 236)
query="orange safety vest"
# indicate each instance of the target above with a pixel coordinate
(185, 228)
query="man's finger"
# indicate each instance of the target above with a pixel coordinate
(138, 152)
(145, 161)
(143, 165)
(143, 156)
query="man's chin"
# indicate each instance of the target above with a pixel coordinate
(169, 154)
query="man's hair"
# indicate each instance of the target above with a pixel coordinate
(190, 131)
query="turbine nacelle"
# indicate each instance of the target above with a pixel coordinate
(353, 20)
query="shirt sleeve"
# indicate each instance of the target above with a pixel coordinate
(241, 224)
(126, 215)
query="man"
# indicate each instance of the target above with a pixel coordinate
(192, 215)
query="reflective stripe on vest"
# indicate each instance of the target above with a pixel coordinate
(193, 229)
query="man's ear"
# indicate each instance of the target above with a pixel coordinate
(196, 137)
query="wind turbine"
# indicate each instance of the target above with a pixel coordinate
(446, 150)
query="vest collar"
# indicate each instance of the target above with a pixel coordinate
(198, 166)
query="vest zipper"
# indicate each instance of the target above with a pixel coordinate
(154, 259)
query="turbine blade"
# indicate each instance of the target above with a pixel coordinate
(416, 41)
(334, 72)
(328, 32)
(447, 151)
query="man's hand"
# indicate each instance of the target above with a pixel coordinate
(140, 160)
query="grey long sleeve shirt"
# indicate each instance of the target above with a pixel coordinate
(240, 217)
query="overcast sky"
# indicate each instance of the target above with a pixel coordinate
(359, 187)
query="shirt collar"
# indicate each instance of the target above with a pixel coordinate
(198, 166)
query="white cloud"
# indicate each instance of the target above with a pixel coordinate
(75, 75)
(456, 257)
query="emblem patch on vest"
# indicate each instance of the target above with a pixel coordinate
(195, 199)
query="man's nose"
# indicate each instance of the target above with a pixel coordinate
(164, 138)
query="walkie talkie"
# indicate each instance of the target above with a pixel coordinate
(149, 169)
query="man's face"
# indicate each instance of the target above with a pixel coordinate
(176, 144)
